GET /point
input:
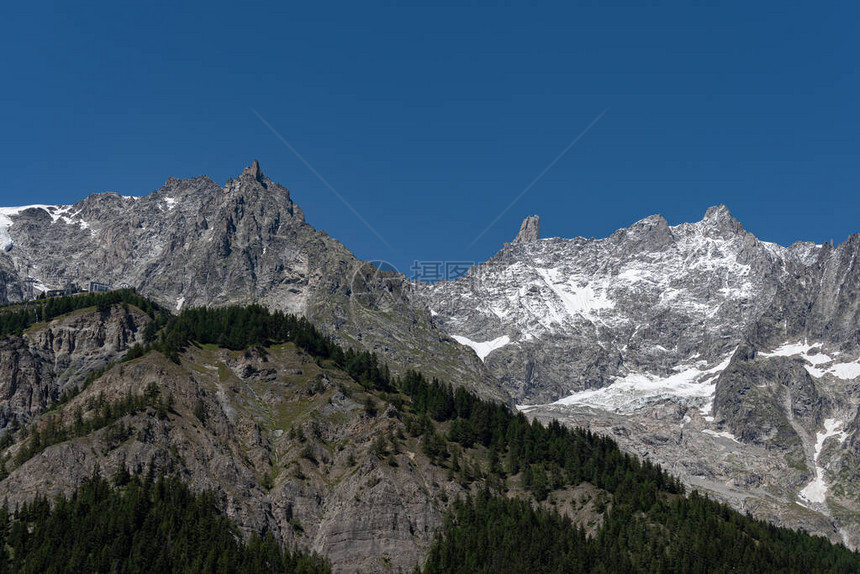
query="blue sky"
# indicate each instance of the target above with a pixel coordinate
(429, 118)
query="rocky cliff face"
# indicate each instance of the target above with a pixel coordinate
(772, 402)
(289, 446)
(194, 242)
(529, 230)
(820, 303)
(50, 359)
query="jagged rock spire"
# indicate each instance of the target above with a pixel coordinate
(254, 171)
(529, 230)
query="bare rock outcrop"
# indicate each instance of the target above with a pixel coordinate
(529, 230)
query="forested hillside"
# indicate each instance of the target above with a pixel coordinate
(514, 512)
(140, 525)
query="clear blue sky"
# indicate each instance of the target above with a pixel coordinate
(431, 117)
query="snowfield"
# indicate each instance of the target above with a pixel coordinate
(482, 349)
(845, 371)
(815, 491)
(692, 384)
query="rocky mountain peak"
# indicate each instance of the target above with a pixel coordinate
(254, 172)
(652, 233)
(720, 218)
(650, 224)
(529, 230)
(718, 212)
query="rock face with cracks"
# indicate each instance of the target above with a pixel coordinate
(50, 359)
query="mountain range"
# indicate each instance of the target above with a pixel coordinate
(731, 362)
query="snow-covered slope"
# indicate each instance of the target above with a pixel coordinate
(692, 385)
(64, 214)
(582, 313)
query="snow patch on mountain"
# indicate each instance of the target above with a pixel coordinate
(816, 491)
(577, 300)
(58, 213)
(845, 371)
(690, 384)
(5, 223)
(798, 349)
(482, 349)
(820, 364)
(723, 434)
